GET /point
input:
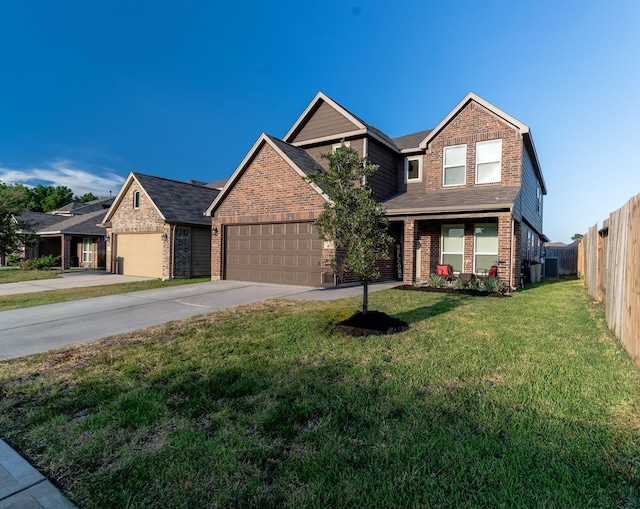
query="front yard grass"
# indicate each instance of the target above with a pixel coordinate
(520, 402)
(10, 275)
(24, 300)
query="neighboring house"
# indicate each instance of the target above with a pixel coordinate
(70, 232)
(156, 228)
(468, 193)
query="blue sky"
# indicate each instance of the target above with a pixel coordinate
(90, 91)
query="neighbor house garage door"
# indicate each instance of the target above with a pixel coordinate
(139, 254)
(274, 253)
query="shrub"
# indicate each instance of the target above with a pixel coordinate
(493, 284)
(436, 281)
(462, 284)
(14, 260)
(44, 262)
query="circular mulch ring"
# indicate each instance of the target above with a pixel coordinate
(373, 323)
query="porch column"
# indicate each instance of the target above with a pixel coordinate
(409, 251)
(65, 251)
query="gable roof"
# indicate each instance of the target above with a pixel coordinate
(361, 127)
(175, 201)
(522, 128)
(411, 141)
(295, 157)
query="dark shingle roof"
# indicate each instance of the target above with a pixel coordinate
(85, 208)
(458, 199)
(81, 224)
(217, 184)
(411, 140)
(299, 156)
(178, 202)
(39, 220)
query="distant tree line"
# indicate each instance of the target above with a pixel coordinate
(16, 198)
(39, 198)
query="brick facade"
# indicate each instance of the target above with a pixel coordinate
(474, 124)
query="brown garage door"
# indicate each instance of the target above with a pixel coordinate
(288, 253)
(139, 254)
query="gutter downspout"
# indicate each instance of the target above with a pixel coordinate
(511, 263)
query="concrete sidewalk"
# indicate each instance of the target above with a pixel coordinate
(22, 486)
(67, 280)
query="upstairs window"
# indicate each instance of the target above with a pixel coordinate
(539, 200)
(455, 165)
(488, 161)
(337, 147)
(413, 169)
(136, 199)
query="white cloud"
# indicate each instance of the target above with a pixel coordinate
(65, 173)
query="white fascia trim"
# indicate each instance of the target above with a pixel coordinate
(331, 137)
(321, 97)
(473, 97)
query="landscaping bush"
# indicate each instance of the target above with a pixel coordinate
(435, 281)
(493, 284)
(44, 262)
(14, 260)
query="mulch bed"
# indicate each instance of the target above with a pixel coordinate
(373, 323)
(475, 293)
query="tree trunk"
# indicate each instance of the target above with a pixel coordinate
(365, 297)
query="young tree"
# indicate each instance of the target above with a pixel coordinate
(353, 220)
(13, 200)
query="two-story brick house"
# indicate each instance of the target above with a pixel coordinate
(468, 193)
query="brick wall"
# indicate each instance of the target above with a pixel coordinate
(474, 124)
(144, 219)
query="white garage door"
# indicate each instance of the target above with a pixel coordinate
(139, 254)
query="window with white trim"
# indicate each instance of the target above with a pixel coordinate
(455, 165)
(337, 147)
(488, 161)
(485, 247)
(413, 169)
(136, 199)
(87, 250)
(453, 246)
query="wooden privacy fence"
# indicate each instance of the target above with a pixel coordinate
(609, 263)
(567, 257)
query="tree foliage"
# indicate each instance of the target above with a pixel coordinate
(576, 236)
(48, 198)
(13, 200)
(86, 197)
(352, 219)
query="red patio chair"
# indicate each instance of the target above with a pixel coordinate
(493, 271)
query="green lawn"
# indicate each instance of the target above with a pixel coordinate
(18, 275)
(520, 402)
(24, 300)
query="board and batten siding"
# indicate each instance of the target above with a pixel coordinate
(325, 121)
(384, 181)
(317, 151)
(200, 252)
(527, 202)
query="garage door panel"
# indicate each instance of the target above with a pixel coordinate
(139, 254)
(280, 253)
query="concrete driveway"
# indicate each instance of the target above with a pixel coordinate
(38, 329)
